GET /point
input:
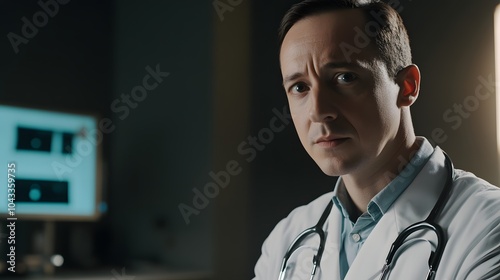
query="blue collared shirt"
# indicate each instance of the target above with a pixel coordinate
(354, 234)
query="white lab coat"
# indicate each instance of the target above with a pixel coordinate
(470, 219)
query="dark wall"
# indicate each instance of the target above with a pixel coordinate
(162, 144)
(83, 59)
(454, 47)
(65, 64)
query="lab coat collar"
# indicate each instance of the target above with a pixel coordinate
(412, 206)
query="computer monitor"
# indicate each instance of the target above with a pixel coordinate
(57, 164)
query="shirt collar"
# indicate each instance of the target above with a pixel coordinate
(379, 204)
(339, 191)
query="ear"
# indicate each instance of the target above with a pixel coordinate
(408, 80)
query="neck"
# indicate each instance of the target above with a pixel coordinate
(367, 182)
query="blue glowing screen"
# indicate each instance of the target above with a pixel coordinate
(55, 156)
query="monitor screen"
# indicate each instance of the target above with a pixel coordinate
(51, 159)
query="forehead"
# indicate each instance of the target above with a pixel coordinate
(333, 35)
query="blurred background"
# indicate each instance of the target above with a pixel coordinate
(198, 169)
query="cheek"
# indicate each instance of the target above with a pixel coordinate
(301, 122)
(388, 108)
(380, 119)
(368, 118)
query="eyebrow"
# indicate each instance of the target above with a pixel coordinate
(329, 65)
(292, 77)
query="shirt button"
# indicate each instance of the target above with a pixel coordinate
(356, 237)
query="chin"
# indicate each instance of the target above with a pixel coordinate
(335, 167)
(331, 170)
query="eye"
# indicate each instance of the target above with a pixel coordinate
(345, 78)
(298, 88)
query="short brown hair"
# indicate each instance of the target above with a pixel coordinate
(390, 39)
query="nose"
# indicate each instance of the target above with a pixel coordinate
(322, 104)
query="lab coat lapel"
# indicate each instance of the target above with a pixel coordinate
(330, 262)
(414, 205)
(329, 266)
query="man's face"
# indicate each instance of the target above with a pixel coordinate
(344, 107)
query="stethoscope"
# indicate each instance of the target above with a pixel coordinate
(428, 224)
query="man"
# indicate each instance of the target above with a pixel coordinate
(350, 82)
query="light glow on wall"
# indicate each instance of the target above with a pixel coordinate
(497, 72)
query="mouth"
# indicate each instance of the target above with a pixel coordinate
(331, 142)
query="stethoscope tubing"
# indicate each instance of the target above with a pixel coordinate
(429, 223)
(435, 257)
(316, 229)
